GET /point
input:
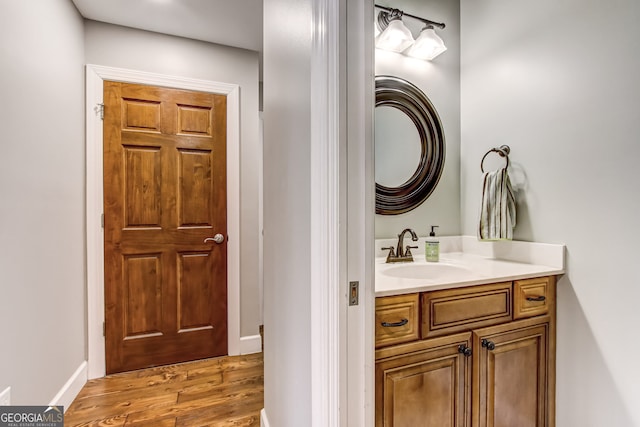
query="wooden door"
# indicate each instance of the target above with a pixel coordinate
(511, 375)
(424, 384)
(164, 194)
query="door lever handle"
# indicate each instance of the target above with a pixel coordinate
(218, 238)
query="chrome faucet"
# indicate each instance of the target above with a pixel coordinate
(402, 254)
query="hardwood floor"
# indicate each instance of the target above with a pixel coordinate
(225, 391)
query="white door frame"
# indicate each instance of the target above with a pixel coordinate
(342, 219)
(359, 192)
(95, 76)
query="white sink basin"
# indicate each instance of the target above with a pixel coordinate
(426, 271)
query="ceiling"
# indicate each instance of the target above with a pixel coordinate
(236, 23)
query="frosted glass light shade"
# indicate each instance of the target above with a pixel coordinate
(428, 45)
(396, 37)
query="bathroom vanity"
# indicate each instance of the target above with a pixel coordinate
(468, 341)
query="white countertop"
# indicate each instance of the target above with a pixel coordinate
(477, 263)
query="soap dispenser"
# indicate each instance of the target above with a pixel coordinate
(432, 246)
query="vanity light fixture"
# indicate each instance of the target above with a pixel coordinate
(396, 37)
(428, 45)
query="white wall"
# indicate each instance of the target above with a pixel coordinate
(558, 82)
(287, 135)
(440, 81)
(42, 273)
(123, 47)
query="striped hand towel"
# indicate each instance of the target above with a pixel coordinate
(498, 209)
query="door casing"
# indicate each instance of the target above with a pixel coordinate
(95, 75)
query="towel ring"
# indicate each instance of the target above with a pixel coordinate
(503, 151)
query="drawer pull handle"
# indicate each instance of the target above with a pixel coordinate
(536, 298)
(396, 324)
(489, 345)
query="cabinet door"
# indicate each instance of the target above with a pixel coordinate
(511, 370)
(424, 384)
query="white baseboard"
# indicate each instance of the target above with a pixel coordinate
(264, 421)
(72, 387)
(250, 344)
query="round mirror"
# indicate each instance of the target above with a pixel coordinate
(398, 147)
(406, 172)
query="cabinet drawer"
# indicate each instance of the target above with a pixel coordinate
(455, 310)
(532, 297)
(397, 319)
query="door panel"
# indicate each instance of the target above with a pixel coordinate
(142, 296)
(194, 188)
(165, 193)
(425, 387)
(511, 377)
(142, 168)
(194, 292)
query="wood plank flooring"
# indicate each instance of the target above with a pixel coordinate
(220, 392)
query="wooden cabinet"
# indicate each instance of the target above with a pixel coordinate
(486, 358)
(424, 383)
(511, 373)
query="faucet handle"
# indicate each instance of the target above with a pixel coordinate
(391, 254)
(407, 251)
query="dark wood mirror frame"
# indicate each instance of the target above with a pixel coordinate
(398, 93)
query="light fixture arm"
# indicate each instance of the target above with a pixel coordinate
(384, 18)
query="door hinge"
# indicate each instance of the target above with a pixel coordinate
(354, 290)
(102, 220)
(99, 109)
(104, 329)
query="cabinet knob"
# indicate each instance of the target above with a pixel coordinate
(463, 349)
(489, 345)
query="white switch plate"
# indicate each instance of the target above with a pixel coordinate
(5, 397)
